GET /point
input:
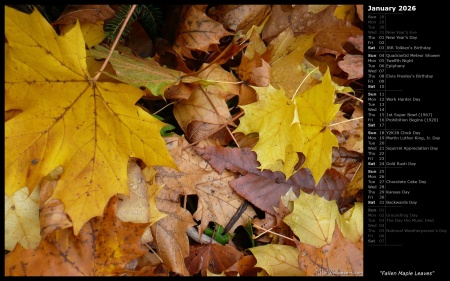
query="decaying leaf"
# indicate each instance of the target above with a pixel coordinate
(170, 232)
(85, 13)
(265, 188)
(90, 131)
(217, 202)
(213, 257)
(197, 31)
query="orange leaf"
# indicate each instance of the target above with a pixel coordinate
(214, 257)
(340, 257)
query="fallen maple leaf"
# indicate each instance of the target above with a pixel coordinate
(217, 202)
(213, 257)
(101, 246)
(313, 219)
(239, 17)
(278, 260)
(197, 31)
(316, 109)
(280, 137)
(253, 68)
(91, 130)
(286, 127)
(265, 188)
(170, 232)
(339, 258)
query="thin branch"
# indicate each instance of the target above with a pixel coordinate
(268, 230)
(115, 43)
(350, 120)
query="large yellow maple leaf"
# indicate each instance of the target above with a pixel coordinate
(286, 127)
(280, 137)
(65, 118)
(316, 109)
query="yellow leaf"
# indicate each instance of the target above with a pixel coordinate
(90, 129)
(279, 137)
(154, 215)
(92, 32)
(316, 109)
(22, 219)
(278, 260)
(313, 219)
(346, 13)
(351, 223)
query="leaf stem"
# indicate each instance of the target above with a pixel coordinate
(114, 44)
(304, 79)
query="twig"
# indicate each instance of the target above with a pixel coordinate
(268, 230)
(352, 96)
(114, 44)
(357, 118)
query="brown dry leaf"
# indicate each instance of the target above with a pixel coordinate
(239, 17)
(198, 130)
(217, 202)
(340, 257)
(353, 65)
(265, 188)
(332, 33)
(360, 12)
(206, 105)
(170, 232)
(345, 161)
(227, 85)
(283, 16)
(352, 132)
(247, 95)
(245, 266)
(206, 109)
(52, 215)
(254, 70)
(85, 13)
(213, 257)
(197, 32)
